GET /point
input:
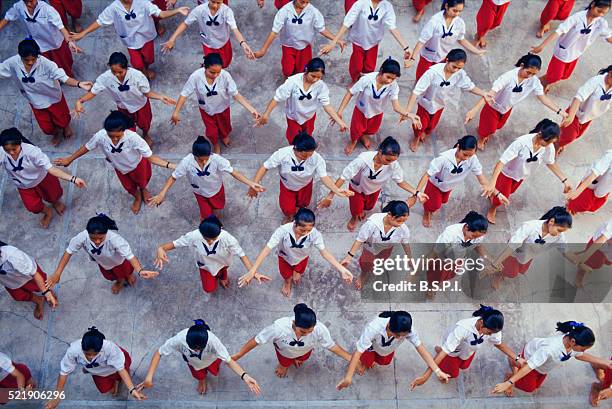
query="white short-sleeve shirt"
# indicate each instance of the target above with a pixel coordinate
(374, 338)
(287, 343)
(438, 38)
(519, 159)
(575, 35)
(509, 91)
(434, 90)
(212, 98)
(298, 31)
(372, 100)
(463, 339)
(452, 243)
(301, 105)
(30, 167)
(528, 241)
(6, 366)
(16, 267)
(292, 249)
(213, 350)
(602, 185)
(124, 156)
(211, 257)
(43, 25)
(296, 174)
(138, 29)
(207, 180)
(367, 24)
(113, 251)
(594, 99)
(544, 354)
(214, 29)
(445, 173)
(129, 94)
(365, 179)
(373, 233)
(41, 86)
(109, 360)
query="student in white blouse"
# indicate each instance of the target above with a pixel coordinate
(522, 158)
(593, 191)
(130, 90)
(545, 354)
(490, 16)
(203, 352)
(111, 252)
(294, 243)
(21, 276)
(598, 252)
(303, 94)
(108, 363)
(14, 375)
(378, 342)
(294, 339)
(37, 181)
(592, 101)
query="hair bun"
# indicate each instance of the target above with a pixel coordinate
(92, 329)
(199, 321)
(300, 307)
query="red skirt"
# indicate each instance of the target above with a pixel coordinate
(530, 382)
(200, 374)
(513, 268)
(369, 358)
(362, 61)
(436, 197)
(446, 273)
(286, 270)
(428, 121)
(597, 259)
(106, 383)
(420, 4)
(290, 201)
(141, 58)
(217, 125)
(10, 382)
(49, 190)
(556, 10)
(225, 52)
(294, 61)
(451, 364)
(120, 272)
(423, 66)
(137, 178)
(360, 125)
(54, 118)
(142, 118)
(72, 8)
(209, 281)
(26, 291)
(62, 56)
(572, 132)
(366, 260)
(208, 204)
(491, 121)
(586, 202)
(489, 16)
(280, 3)
(287, 362)
(559, 70)
(294, 128)
(360, 202)
(507, 186)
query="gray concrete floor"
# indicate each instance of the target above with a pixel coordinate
(140, 319)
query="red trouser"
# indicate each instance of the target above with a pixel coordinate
(120, 272)
(225, 52)
(200, 374)
(141, 58)
(49, 190)
(290, 201)
(423, 66)
(559, 70)
(208, 204)
(598, 259)
(10, 382)
(287, 362)
(556, 10)
(445, 273)
(420, 4)
(53, 118)
(489, 16)
(530, 382)
(491, 121)
(572, 132)
(137, 178)
(65, 8)
(366, 260)
(428, 122)
(513, 268)
(586, 202)
(294, 61)
(62, 56)
(286, 270)
(506, 186)
(142, 118)
(436, 197)
(217, 125)
(360, 125)
(361, 202)
(348, 4)
(368, 358)
(26, 291)
(106, 383)
(294, 128)
(451, 365)
(209, 282)
(362, 61)
(280, 3)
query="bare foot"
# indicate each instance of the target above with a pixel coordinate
(418, 16)
(414, 145)
(426, 219)
(297, 277)
(39, 308)
(31, 383)
(491, 214)
(117, 286)
(59, 207)
(202, 386)
(137, 204)
(46, 219)
(496, 283)
(438, 349)
(365, 140)
(543, 30)
(224, 283)
(481, 42)
(510, 391)
(227, 141)
(361, 368)
(600, 374)
(150, 74)
(77, 27)
(286, 290)
(115, 390)
(580, 279)
(358, 283)
(217, 148)
(56, 140)
(349, 148)
(131, 280)
(352, 224)
(594, 394)
(560, 150)
(547, 88)
(68, 132)
(161, 30)
(146, 195)
(281, 371)
(287, 219)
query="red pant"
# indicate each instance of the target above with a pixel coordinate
(556, 10)
(294, 61)
(586, 202)
(62, 56)
(280, 3)
(360, 125)
(368, 358)
(530, 382)
(360, 202)
(420, 4)
(142, 57)
(424, 65)
(366, 260)
(200, 374)
(513, 268)
(491, 121)
(559, 70)
(142, 118)
(436, 197)
(428, 121)
(208, 204)
(49, 190)
(506, 186)
(286, 270)
(225, 52)
(572, 132)
(120, 272)
(608, 378)
(597, 259)
(26, 291)
(53, 118)
(451, 365)
(209, 282)
(489, 16)
(290, 201)
(348, 4)
(217, 125)
(10, 382)
(137, 178)
(287, 362)
(294, 128)
(106, 383)
(72, 8)
(362, 61)
(446, 273)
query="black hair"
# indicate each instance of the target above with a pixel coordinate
(197, 335)
(451, 3)
(210, 227)
(548, 129)
(303, 142)
(12, 136)
(92, 340)
(304, 317)
(599, 3)
(2, 244)
(315, 65)
(100, 224)
(605, 70)
(390, 66)
(212, 59)
(399, 321)
(455, 55)
(491, 318)
(304, 215)
(529, 61)
(28, 48)
(201, 147)
(397, 208)
(476, 222)
(118, 121)
(468, 142)
(560, 215)
(118, 58)
(390, 146)
(579, 332)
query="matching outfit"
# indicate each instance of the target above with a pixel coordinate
(556, 10)
(17, 271)
(378, 242)
(595, 196)
(490, 16)
(293, 253)
(214, 30)
(7, 367)
(41, 87)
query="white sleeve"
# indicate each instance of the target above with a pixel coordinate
(318, 241)
(181, 169)
(232, 89)
(98, 86)
(423, 82)
(273, 161)
(585, 91)
(435, 166)
(193, 16)
(352, 14)
(567, 25)
(12, 14)
(398, 173)
(365, 231)
(231, 19)
(323, 96)
(476, 166)
(5, 70)
(219, 348)
(321, 170)
(496, 339)
(453, 340)
(185, 240)
(116, 359)
(500, 83)
(324, 337)
(123, 248)
(5, 363)
(284, 91)
(190, 86)
(171, 345)
(549, 155)
(520, 236)
(353, 168)
(142, 147)
(601, 166)
(41, 160)
(466, 83)
(55, 18)
(225, 165)
(395, 89)
(319, 21)
(68, 363)
(93, 142)
(76, 243)
(427, 32)
(268, 334)
(234, 247)
(365, 340)
(538, 359)
(359, 86)
(279, 21)
(152, 9)
(390, 21)
(511, 152)
(142, 83)
(414, 338)
(106, 17)
(539, 88)
(276, 238)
